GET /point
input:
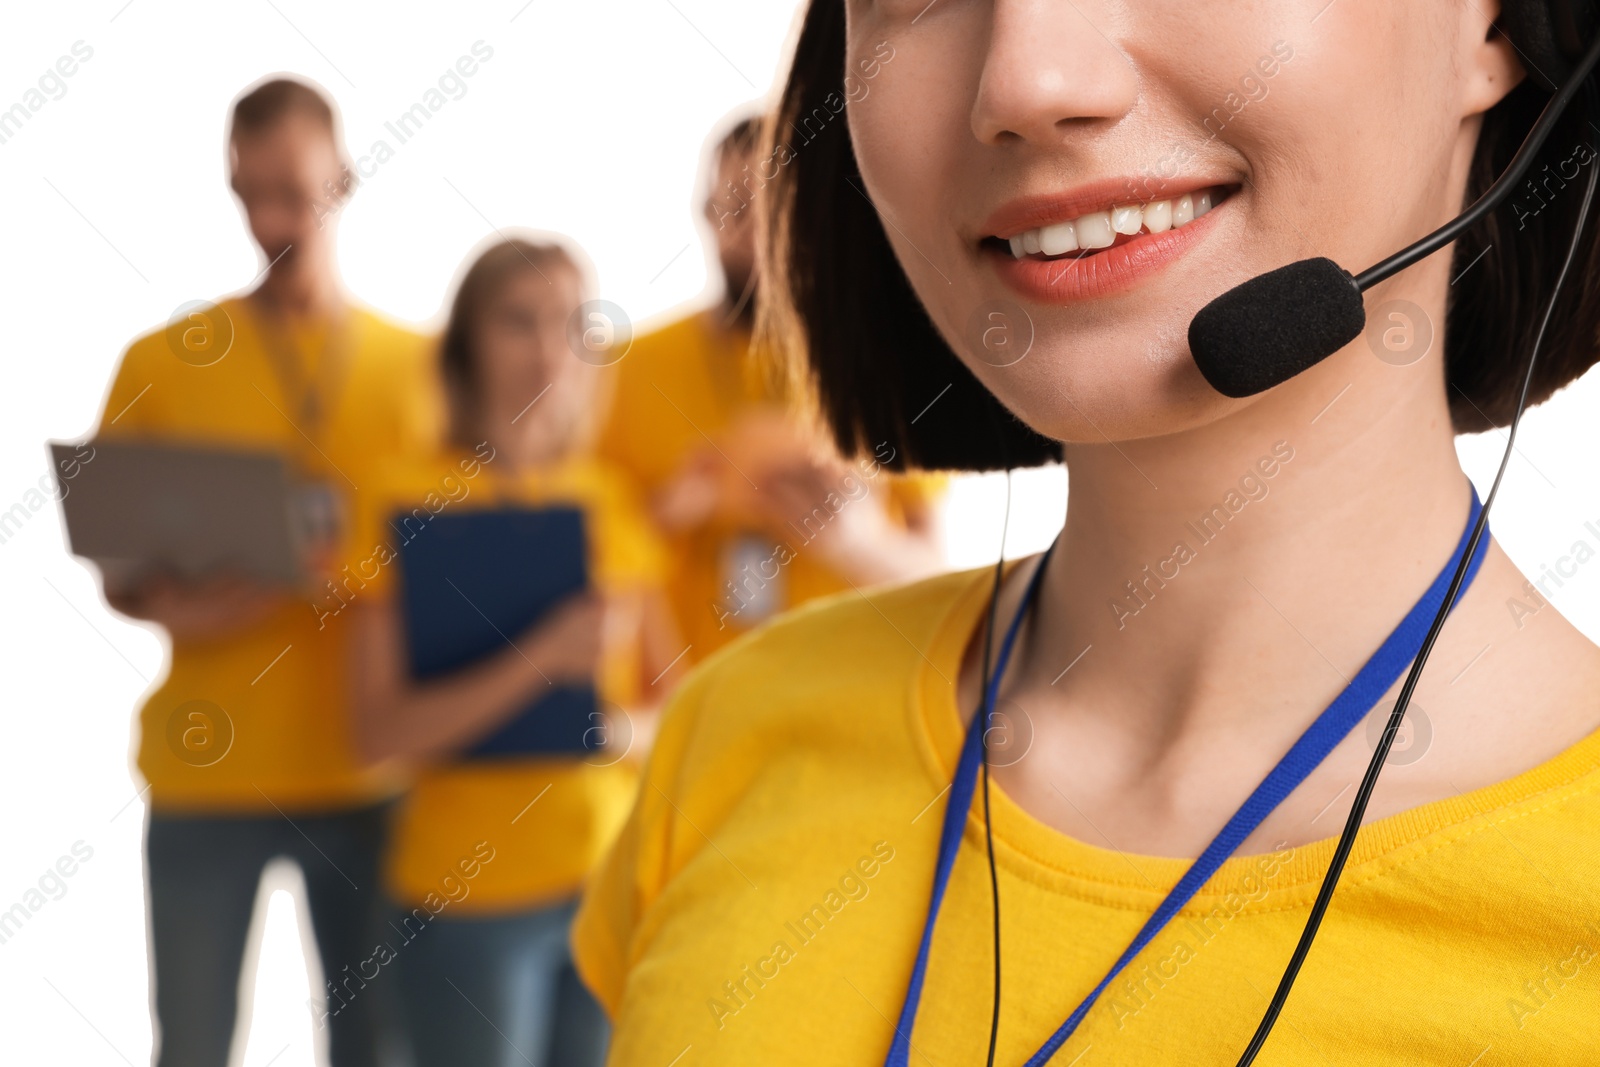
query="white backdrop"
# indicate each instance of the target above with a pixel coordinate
(588, 119)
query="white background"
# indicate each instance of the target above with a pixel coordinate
(589, 120)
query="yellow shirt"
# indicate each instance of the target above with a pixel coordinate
(765, 899)
(546, 821)
(681, 389)
(266, 706)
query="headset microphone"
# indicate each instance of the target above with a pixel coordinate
(1330, 288)
(1267, 330)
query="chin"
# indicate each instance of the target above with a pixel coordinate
(1082, 390)
(280, 251)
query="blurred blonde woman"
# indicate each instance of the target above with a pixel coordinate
(490, 849)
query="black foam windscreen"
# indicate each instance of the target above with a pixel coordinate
(1274, 326)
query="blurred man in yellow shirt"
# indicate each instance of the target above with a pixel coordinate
(758, 514)
(246, 744)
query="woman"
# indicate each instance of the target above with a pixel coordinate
(494, 840)
(1226, 569)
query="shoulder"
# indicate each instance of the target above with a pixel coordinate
(379, 326)
(393, 370)
(155, 363)
(807, 715)
(677, 327)
(596, 485)
(841, 660)
(386, 351)
(201, 334)
(401, 481)
(596, 478)
(387, 344)
(624, 539)
(151, 352)
(667, 342)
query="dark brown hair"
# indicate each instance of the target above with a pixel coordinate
(478, 288)
(742, 138)
(272, 101)
(1496, 301)
(840, 311)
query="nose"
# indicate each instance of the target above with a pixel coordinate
(1051, 66)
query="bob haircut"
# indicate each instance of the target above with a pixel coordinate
(840, 314)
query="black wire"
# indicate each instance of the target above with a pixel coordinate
(985, 710)
(1497, 193)
(1370, 779)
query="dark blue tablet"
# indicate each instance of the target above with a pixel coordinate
(471, 582)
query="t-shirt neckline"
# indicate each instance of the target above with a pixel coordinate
(1040, 853)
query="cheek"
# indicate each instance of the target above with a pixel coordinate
(509, 357)
(914, 145)
(1349, 121)
(552, 345)
(1357, 121)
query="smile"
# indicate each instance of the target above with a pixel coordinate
(1091, 232)
(1055, 251)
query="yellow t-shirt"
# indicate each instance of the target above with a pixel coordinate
(682, 388)
(544, 821)
(765, 899)
(269, 702)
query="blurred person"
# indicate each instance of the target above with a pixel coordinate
(758, 511)
(491, 850)
(245, 745)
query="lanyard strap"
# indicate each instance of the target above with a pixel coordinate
(1374, 679)
(311, 391)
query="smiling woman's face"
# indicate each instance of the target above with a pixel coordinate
(1092, 173)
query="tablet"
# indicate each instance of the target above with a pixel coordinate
(472, 582)
(191, 510)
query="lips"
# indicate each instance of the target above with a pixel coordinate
(1095, 241)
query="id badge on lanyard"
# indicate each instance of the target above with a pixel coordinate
(1360, 694)
(751, 579)
(311, 394)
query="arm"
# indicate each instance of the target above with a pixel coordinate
(662, 665)
(691, 497)
(869, 548)
(397, 717)
(858, 537)
(727, 481)
(207, 609)
(192, 610)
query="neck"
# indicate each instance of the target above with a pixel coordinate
(518, 447)
(737, 311)
(1281, 544)
(296, 288)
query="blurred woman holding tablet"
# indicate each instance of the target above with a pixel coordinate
(493, 842)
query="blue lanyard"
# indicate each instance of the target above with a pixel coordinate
(1348, 708)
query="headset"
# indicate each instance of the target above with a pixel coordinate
(1266, 330)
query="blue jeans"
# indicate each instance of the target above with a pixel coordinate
(203, 872)
(499, 992)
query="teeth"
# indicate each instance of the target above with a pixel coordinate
(1127, 219)
(1094, 230)
(1158, 216)
(1058, 239)
(1099, 229)
(1183, 211)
